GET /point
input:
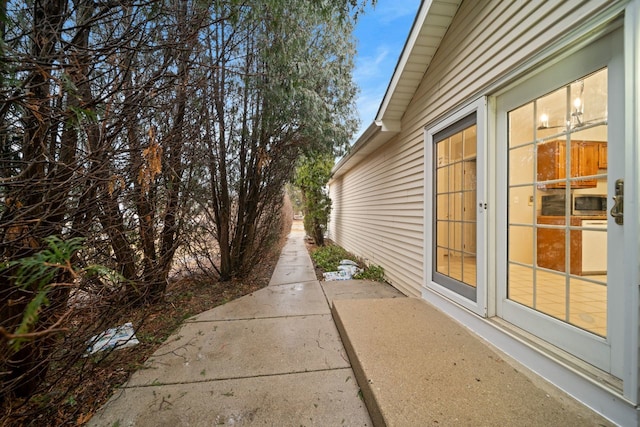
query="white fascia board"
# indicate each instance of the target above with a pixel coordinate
(371, 139)
(384, 128)
(389, 125)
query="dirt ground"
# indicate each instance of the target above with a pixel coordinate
(72, 398)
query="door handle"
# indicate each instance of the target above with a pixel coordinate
(617, 211)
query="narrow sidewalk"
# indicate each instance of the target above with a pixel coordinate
(276, 357)
(273, 357)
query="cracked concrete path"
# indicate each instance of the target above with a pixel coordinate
(273, 357)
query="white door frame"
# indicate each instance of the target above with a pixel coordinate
(480, 305)
(631, 309)
(605, 353)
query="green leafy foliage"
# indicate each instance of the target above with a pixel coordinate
(311, 177)
(328, 257)
(371, 272)
(38, 273)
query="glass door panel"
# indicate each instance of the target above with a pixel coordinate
(455, 211)
(557, 250)
(560, 272)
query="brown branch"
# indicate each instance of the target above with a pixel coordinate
(32, 335)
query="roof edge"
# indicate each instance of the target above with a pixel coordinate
(371, 139)
(416, 28)
(383, 127)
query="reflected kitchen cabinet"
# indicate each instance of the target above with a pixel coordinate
(602, 155)
(551, 244)
(552, 164)
(585, 245)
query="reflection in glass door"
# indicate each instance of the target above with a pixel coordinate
(455, 208)
(557, 192)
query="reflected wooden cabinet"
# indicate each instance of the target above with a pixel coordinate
(461, 208)
(550, 245)
(552, 163)
(602, 155)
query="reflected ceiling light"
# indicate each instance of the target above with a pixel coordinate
(577, 112)
(577, 103)
(578, 107)
(544, 122)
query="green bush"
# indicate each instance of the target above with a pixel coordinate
(328, 257)
(372, 272)
(312, 175)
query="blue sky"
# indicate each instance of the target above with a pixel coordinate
(381, 33)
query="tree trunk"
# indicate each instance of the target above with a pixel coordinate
(30, 220)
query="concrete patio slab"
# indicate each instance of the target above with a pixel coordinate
(416, 366)
(294, 299)
(202, 351)
(325, 398)
(359, 289)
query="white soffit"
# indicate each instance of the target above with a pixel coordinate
(429, 27)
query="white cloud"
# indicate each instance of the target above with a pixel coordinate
(369, 102)
(381, 34)
(389, 12)
(368, 67)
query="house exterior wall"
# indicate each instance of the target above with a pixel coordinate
(493, 49)
(378, 206)
(378, 212)
(475, 54)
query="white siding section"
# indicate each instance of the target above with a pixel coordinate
(486, 41)
(378, 209)
(378, 212)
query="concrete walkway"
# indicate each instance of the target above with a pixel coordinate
(276, 358)
(271, 358)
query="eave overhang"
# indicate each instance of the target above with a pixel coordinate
(428, 30)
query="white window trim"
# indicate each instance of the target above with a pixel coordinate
(632, 190)
(479, 306)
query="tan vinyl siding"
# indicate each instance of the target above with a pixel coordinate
(485, 42)
(378, 205)
(378, 213)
